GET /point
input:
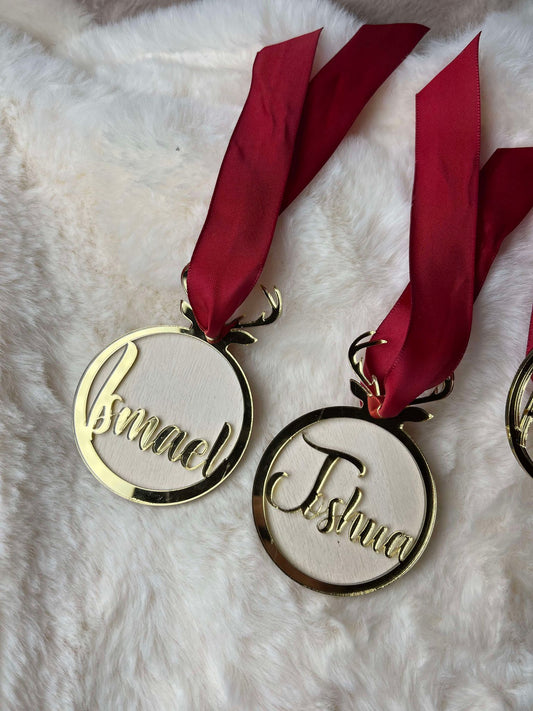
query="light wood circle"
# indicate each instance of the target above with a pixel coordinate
(392, 488)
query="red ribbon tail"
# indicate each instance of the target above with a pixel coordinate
(434, 316)
(237, 233)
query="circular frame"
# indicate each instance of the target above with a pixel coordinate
(260, 519)
(157, 497)
(513, 405)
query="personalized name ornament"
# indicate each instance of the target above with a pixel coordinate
(143, 394)
(343, 500)
(519, 409)
(164, 414)
(345, 503)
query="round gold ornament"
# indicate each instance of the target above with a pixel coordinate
(345, 503)
(519, 413)
(162, 416)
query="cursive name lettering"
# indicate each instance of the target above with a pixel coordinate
(170, 439)
(341, 515)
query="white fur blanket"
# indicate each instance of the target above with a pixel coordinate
(110, 142)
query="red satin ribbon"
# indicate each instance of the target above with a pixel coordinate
(287, 130)
(459, 219)
(530, 335)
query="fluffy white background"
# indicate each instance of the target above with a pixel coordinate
(110, 606)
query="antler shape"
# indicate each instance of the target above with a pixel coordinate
(236, 334)
(438, 393)
(370, 386)
(263, 320)
(184, 274)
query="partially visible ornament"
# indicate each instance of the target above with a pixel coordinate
(519, 414)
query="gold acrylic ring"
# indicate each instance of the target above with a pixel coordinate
(516, 423)
(156, 497)
(395, 427)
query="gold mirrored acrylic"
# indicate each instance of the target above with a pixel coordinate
(162, 416)
(519, 414)
(344, 503)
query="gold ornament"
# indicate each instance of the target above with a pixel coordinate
(345, 503)
(519, 413)
(162, 416)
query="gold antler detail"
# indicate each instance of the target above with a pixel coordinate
(370, 386)
(263, 320)
(184, 274)
(438, 393)
(236, 334)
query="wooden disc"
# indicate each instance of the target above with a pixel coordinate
(343, 504)
(161, 416)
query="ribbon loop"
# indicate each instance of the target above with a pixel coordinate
(459, 219)
(234, 241)
(286, 132)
